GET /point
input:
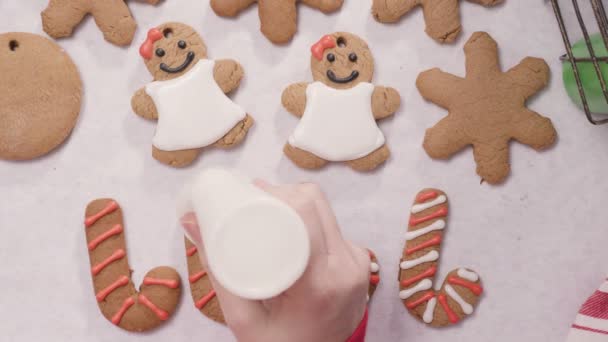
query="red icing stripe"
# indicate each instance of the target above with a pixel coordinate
(439, 213)
(426, 196)
(122, 281)
(374, 279)
(196, 276)
(432, 242)
(423, 299)
(580, 327)
(117, 229)
(170, 283)
(371, 254)
(160, 313)
(596, 306)
(191, 251)
(203, 301)
(119, 254)
(123, 309)
(110, 207)
(444, 303)
(426, 274)
(476, 289)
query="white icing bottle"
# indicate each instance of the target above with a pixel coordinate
(257, 246)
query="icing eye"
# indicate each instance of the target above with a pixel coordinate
(160, 52)
(331, 57)
(352, 57)
(181, 44)
(13, 45)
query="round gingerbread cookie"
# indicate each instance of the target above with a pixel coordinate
(41, 98)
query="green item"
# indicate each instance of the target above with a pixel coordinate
(591, 84)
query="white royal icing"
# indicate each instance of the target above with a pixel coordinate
(437, 225)
(468, 275)
(429, 312)
(424, 206)
(193, 111)
(466, 307)
(374, 267)
(421, 286)
(430, 256)
(338, 124)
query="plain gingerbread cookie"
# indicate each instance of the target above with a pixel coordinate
(339, 109)
(188, 96)
(111, 16)
(487, 108)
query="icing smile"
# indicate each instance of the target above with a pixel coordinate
(332, 77)
(189, 58)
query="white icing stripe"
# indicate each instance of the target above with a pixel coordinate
(468, 275)
(466, 307)
(424, 206)
(374, 267)
(604, 287)
(429, 312)
(430, 256)
(421, 286)
(437, 225)
(590, 322)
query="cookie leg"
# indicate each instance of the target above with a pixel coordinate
(371, 161)
(278, 19)
(442, 19)
(492, 161)
(444, 139)
(176, 158)
(61, 17)
(325, 6)
(230, 8)
(389, 11)
(534, 130)
(115, 21)
(303, 159)
(237, 134)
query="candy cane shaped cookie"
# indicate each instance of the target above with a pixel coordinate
(462, 288)
(115, 293)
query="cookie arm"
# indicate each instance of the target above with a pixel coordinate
(442, 18)
(230, 8)
(60, 17)
(492, 161)
(143, 105)
(445, 139)
(481, 53)
(529, 76)
(294, 98)
(228, 74)
(278, 19)
(385, 102)
(439, 87)
(389, 11)
(533, 129)
(115, 21)
(325, 6)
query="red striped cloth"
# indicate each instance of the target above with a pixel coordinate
(591, 323)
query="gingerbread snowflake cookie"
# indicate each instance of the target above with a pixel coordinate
(442, 17)
(339, 109)
(461, 289)
(278, 18)
(111, 16)
(188, 96)
(118, 299)
(486, 108)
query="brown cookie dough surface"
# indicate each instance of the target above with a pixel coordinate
(41, 96)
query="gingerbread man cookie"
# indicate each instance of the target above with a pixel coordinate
(462, 288)
(487, 108)
(115, 292)
(278, 18)
(188, 96)
(339, 110)
(442, 17)
(111, 16)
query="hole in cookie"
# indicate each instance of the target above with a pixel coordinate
(13, 45)
(341, 42)
(167, 32)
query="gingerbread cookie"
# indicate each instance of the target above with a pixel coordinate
(442, 17)
(115, 292)
(111, 16)
(278, 17)
(462, 288)
(339, 110)
(41, 95)
(487, 108)
(188, 96)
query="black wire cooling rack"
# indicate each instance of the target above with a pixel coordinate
(602, 22)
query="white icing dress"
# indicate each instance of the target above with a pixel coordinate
(338, 125)
(193, 111)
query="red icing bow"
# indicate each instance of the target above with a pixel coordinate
(145, 50)
(327, 42)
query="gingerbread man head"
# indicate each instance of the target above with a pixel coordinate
(171, 50)
(342, 60)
